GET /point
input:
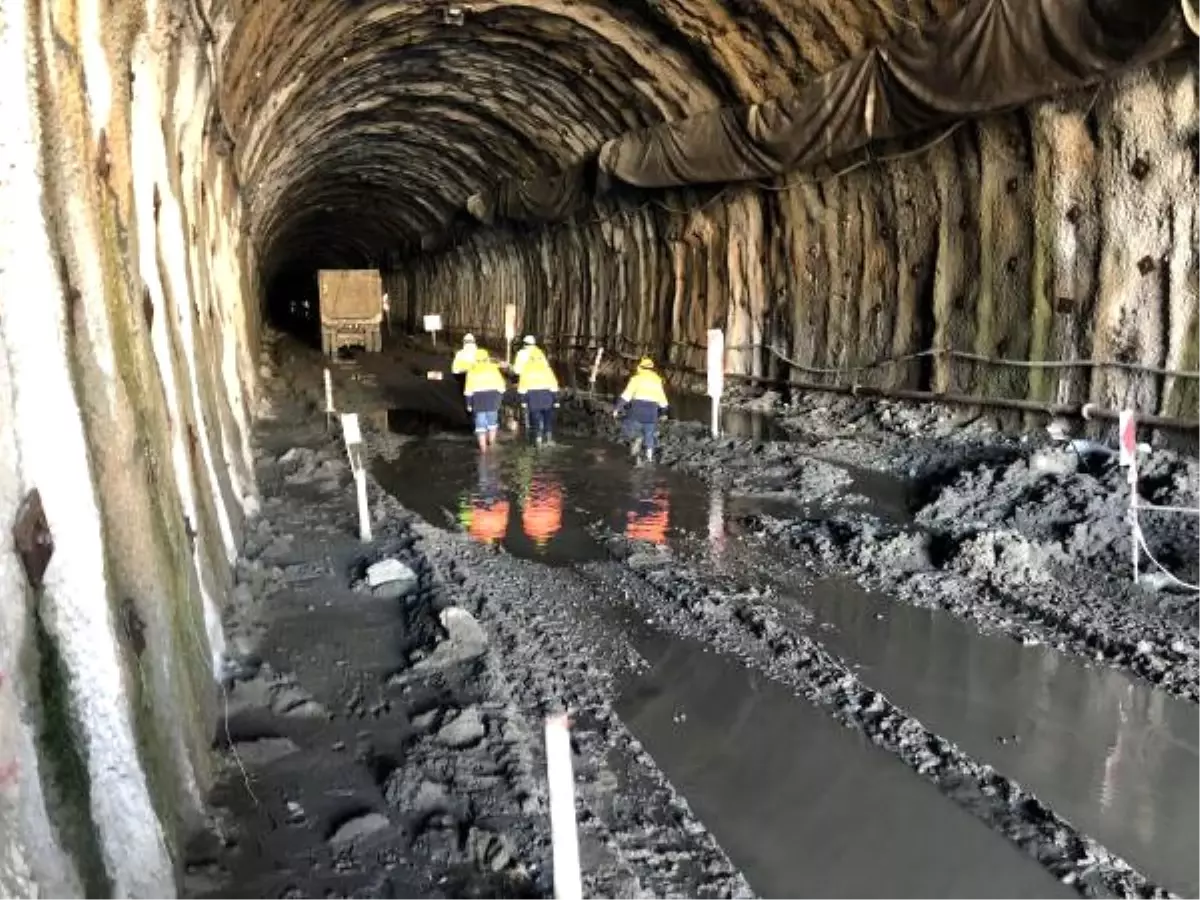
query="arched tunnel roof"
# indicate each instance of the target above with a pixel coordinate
(362, 126)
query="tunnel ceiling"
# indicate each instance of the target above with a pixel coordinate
(359, 127)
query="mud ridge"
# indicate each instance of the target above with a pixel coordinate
(740, 625)
(1018, 537)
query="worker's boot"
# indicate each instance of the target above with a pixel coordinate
(636, 447)
(649, 454)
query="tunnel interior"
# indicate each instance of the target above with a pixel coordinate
(815, 179)
(394, 116)
(567, 158)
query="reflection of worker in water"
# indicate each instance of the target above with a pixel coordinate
(541, 513)
(483, 392)
(643, 401)
(484, 512)
(538, 389)
(463, 360)
(650, 517)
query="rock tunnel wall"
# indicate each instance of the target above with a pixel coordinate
(126, 349)
(1066, 231)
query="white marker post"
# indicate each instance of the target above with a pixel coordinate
(387, 312)
(595, 370)
(329, 410)
(510, 331)
(433, 324)
(1127, 442)
(352, 435)
(716, 375)
(568, 884)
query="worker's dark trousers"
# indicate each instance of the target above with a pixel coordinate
(541, 422)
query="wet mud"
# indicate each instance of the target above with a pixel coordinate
(746, 718)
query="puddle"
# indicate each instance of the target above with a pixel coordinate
(537, 503)
(803, 806)
(1116, 758)
(765, 771)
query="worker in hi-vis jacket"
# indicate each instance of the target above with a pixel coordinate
(644, 401)
(538, 389)
(483, 392)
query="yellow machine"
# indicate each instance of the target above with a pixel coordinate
(351, 309)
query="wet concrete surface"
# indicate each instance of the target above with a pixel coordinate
(802, 805)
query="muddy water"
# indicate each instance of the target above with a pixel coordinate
(1113, 756)
(803, 806)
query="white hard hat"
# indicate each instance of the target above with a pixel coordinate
(529, 340)
(468, 338)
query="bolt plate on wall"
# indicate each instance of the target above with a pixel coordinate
(31, 535)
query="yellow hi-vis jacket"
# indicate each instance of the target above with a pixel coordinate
(525, 355)
(644, 395)
(484, 376)
(536, 375)
(485, 383)
(464, 359)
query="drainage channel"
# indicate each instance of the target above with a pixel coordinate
(801, 804)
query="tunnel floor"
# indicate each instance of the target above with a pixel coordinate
(748, 719)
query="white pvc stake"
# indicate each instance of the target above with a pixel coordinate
(716, 375)
(328, 400)
(595, 370)
(1127, 443)
(568, 883)
(364, 511)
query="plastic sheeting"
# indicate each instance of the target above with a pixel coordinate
(991, 56)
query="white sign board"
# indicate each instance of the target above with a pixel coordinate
(510, 321)
(433, 376)
(716, 363)
(1127, 436)
(433, 323)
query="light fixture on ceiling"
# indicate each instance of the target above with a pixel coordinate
(453, 15)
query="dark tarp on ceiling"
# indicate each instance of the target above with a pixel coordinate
(991, 56)
(551, 197)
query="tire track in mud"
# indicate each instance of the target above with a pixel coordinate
(740, 624)
(996, 578)
(552, 658)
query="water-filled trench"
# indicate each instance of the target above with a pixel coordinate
(793, 797)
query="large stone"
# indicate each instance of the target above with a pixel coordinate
(465, 731)
(359, 827)
(390, 579)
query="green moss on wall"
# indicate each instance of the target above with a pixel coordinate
(63, 769)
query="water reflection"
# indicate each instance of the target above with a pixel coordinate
(542, 509)
(803, 806)
(1115, 757)
(484, 511)
(649, 516)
